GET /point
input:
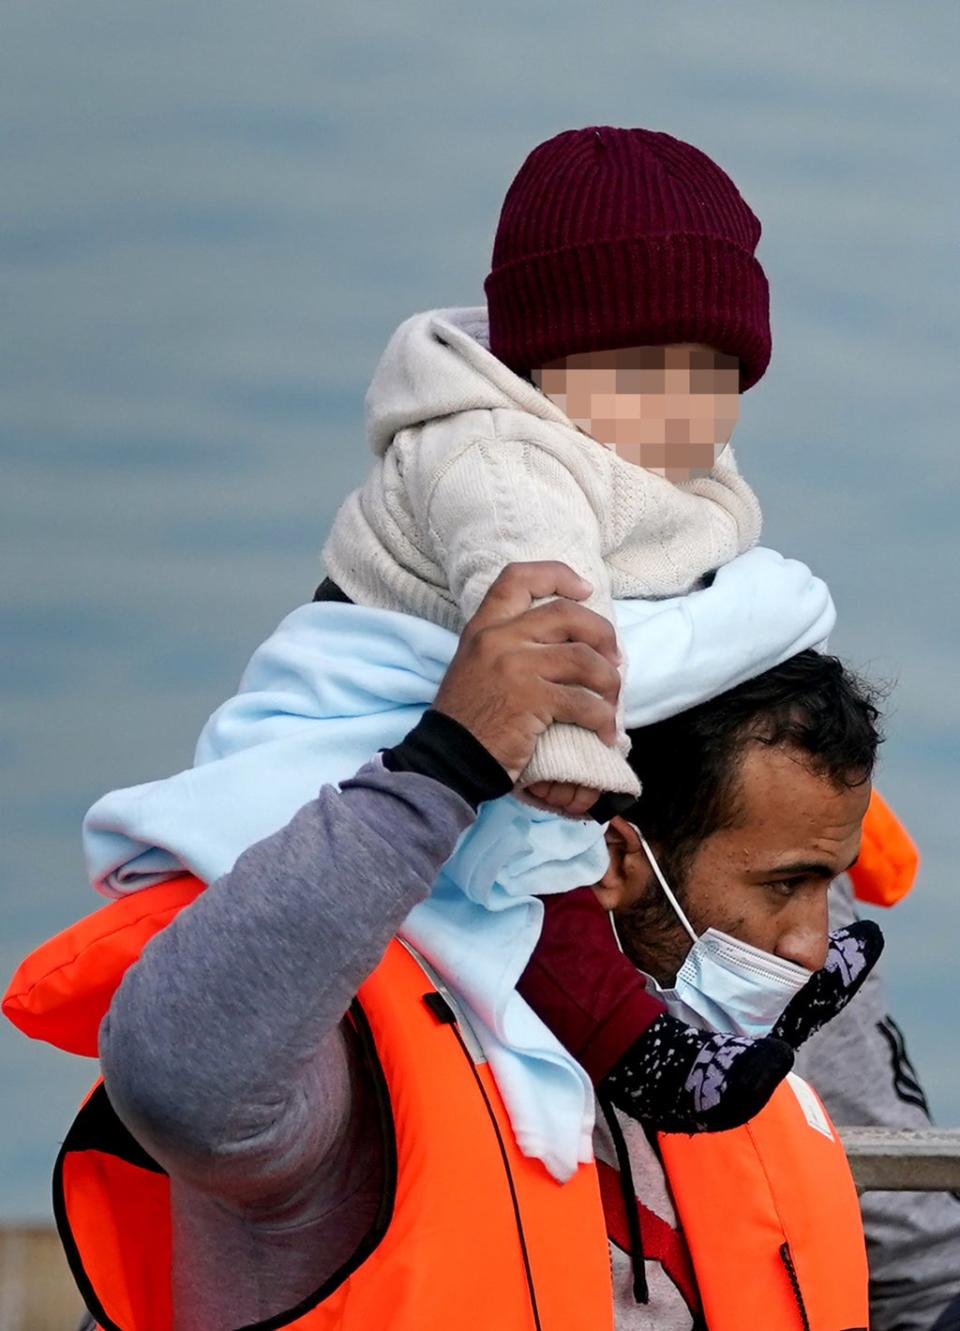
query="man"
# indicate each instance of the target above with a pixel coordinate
(698, 821)
(225, 1051)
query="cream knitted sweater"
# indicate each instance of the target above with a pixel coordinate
(474, 468)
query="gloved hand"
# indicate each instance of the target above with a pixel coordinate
(851, 956)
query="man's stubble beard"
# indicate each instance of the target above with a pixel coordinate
(650, 933)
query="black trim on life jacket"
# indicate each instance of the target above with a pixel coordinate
(381, 1221)
(442, 1010)
(97, 1128)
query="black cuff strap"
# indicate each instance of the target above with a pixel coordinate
(441, 748)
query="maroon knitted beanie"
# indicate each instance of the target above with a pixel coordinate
(625, 237)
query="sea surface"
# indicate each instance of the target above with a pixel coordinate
(214, 214)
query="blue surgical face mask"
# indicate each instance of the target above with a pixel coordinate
(725, 985)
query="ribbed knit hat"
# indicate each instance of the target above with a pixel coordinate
(625, 237)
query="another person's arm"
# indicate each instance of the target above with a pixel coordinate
(859, 1065)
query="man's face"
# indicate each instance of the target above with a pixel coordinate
(763, 881)
(670, 409)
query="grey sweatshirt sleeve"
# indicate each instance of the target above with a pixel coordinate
(859, 1065)
(224, 1050)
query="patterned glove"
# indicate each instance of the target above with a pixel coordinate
(852, 955)
(678, 1079)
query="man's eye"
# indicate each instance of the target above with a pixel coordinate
(784, 887)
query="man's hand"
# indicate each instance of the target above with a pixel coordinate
(560, 797)
(518, 669)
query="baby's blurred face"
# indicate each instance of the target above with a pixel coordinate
(670, 409)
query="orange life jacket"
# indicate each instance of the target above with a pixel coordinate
(887, 864)
(471, 1233)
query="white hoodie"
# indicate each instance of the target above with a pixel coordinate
(475, 468)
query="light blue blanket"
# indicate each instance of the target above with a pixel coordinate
(335, 683)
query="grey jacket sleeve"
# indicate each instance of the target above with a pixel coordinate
(858, 1064)
(224, 1050)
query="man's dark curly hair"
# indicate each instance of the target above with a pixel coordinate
(688, 764)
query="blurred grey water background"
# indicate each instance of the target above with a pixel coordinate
(213, 215)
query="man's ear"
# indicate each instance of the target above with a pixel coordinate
(620, 881)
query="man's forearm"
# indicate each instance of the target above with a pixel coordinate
(223, 1049)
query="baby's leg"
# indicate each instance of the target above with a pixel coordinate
(652, 1066)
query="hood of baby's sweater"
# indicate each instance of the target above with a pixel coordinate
(438, 363)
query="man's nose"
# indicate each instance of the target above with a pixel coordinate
(805, 941)
(808, 950)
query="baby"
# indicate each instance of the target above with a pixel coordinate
(584, 414)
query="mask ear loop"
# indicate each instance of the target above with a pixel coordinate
(663, 883)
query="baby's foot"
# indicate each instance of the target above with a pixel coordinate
(852, 955)
(678, 1079)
